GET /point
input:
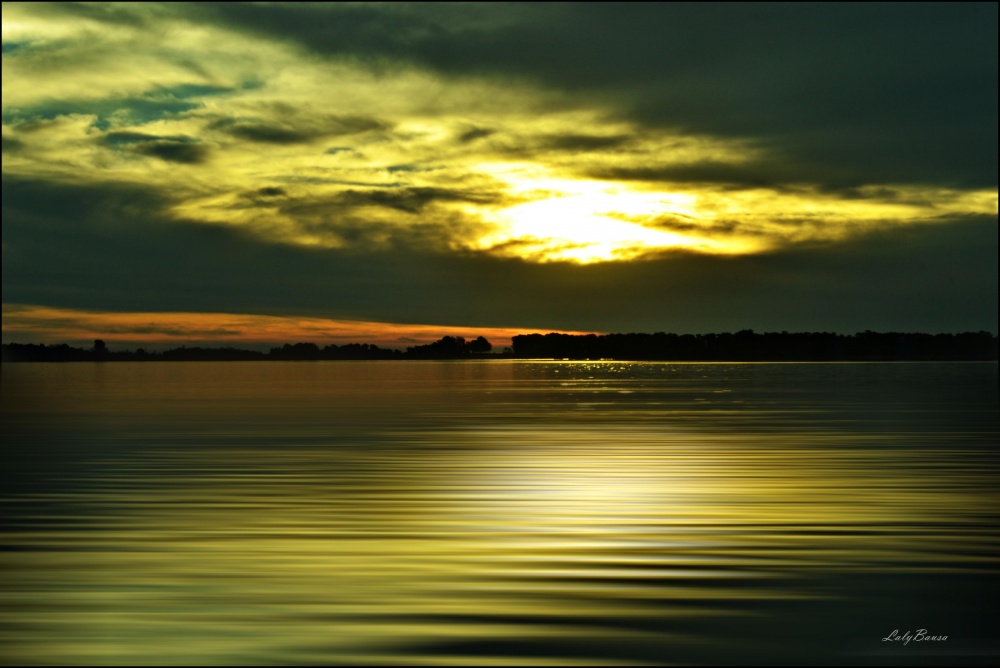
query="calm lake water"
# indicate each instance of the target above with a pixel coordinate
(502, 512)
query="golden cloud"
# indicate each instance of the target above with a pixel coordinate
(205, 115)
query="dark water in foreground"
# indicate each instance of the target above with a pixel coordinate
(499, 513)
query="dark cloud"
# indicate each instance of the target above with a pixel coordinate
(584, 142)
(472, 134)
(754, 174)
(886, 93)
(119, 14)
(528, 246)
(267, 133)
(769, 174)
(188, 154)
(119, 138)
(406, 200)
(536, 145)
(686, 225)
(115, 248)
(177, 148)
(11, 47)
(404, 218)
(414, 199)
(11, 144)
(297, 131)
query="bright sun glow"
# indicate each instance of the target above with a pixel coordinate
(588, 221)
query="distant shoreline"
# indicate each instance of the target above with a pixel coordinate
(742, 346)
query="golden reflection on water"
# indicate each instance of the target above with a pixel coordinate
(496, 513)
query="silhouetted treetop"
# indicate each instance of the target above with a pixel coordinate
(450, 347)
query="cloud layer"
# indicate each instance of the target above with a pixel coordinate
(599, 167)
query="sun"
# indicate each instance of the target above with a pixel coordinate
(586, 221)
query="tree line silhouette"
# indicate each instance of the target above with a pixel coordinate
(448, 347)
(742, 346)
(748, 346)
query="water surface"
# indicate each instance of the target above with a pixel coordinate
(499, 513)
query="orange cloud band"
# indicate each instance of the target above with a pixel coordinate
(41, 324)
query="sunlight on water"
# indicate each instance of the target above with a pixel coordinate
(498, 512)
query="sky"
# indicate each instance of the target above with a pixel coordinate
(267, 173)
